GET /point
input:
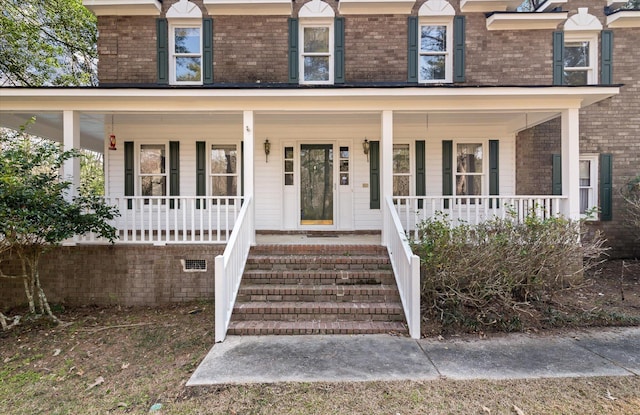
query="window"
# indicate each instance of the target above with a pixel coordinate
(580, 57)
(316, 53)
(344, 166)
(401, 170)
(288, 166)
(186, 54)
(469, 170)
(435, 60)
(224, 170)
(588, 182)
(152, 170)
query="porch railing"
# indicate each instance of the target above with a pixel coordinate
(406, 267)
(473, 209)
(172, 219)
(230, 267)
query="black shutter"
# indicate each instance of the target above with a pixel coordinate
(421, 176)
(447, 170)
(338, 76)
(556, 175)
(494, 173)
(459, 24)
(558, 58)
(129, 177)
(174, 172)
(293, 51)
(606, 187)
(207, 51)
(606, 61)
(374, 174)
(162, 37)
(201, 174)
(412, 49)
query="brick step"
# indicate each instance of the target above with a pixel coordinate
(317, 311)
(345, 250)
(317, 277)
(257, 327)
(320, 293)
(317, 262)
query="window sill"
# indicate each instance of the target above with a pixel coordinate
(623, 18)
(525, 20)
(376, 6)
(123, 7)
(248, 7)
(488, 5)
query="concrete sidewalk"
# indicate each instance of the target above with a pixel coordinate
(269, 359)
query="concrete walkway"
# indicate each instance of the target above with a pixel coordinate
(269, 359)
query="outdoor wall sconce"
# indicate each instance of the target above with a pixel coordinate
(267, 149)
(112, 142)
(365, 148)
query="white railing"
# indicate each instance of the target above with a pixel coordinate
(172, 219)
(406, 267)
(230, 267)
(473, 209)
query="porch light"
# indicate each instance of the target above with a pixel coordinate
(365, 148)
(267, 149)
(112, 142)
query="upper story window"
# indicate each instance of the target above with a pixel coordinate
(316, 39)
(186, 54)
(435, 50)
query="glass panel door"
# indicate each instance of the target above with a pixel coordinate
(316, 184)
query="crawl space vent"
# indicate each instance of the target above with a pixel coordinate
(194, 264)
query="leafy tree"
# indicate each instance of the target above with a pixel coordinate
(47, 42)
(37, 212)
(91, 173)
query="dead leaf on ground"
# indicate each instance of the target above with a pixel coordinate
(518, 410)
(610, 397)
(485, 409)
(56, 352)
(99, 381)
(124, 366)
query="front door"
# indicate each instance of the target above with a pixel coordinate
(316, 184)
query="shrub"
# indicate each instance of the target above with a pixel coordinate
(631, 195)
(487, 274)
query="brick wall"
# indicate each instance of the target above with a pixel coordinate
(122, 274)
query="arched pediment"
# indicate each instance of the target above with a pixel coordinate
(436, 8)
(316, 8)
(184, 9)
(583, 21)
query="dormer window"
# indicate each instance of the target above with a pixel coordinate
(186, 54)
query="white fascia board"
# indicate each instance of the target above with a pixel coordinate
(488, 5)
(614, 4)
(375, 6)
(550, 4)
(123, 7)
(525, 21)
(352, 99)
(624, 18)
(248, 7)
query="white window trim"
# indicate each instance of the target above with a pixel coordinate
(593, 175)
(238, 167)
(484, 191)
(448, 71)
(314, 22)
(592, 69)
(140, 175)
(183, 23)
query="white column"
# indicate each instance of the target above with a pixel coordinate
(571, 162)
(249, 147)
(71, 140)
(386, 155)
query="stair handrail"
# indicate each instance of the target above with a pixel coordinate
(406, 267)
(229, 268)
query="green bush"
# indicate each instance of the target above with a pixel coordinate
(488, 274)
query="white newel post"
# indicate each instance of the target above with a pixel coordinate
(71, 140)
(570, 160)
(249, 160)
(386, 154)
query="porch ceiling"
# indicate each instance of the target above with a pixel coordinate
(431, 111)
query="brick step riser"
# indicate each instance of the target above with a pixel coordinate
(328, 266)
(341, 250)
(319, 317)
(307, 331)
(305, 281)
(389, 298)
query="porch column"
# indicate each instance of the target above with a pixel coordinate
(247, 121)
(386, 154)
(571, 162)
(71, 140)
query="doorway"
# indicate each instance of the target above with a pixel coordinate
(316, 184)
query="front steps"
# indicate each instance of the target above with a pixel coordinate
(317, 289)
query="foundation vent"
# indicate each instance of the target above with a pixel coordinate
(194, 265)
